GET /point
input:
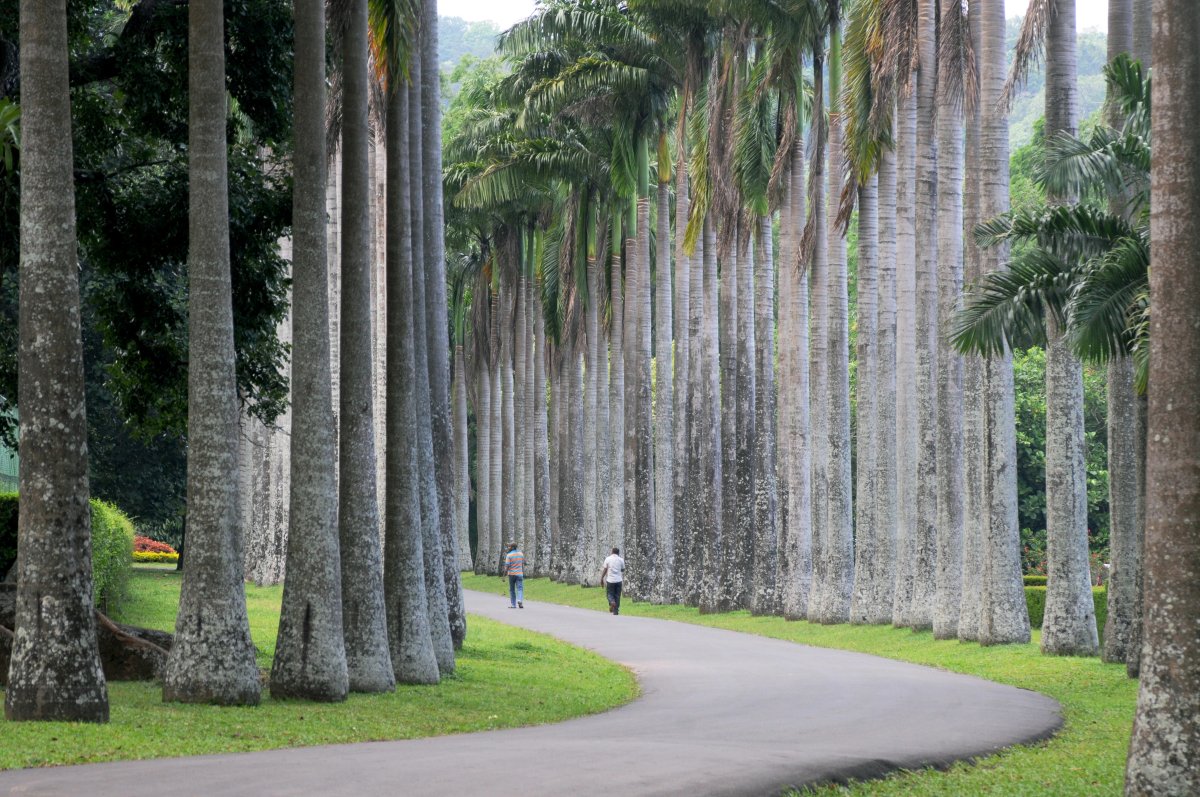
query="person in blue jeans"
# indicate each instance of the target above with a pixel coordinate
(514, 568)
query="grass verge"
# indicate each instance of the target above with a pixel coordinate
(1086, 758)
(555, 681)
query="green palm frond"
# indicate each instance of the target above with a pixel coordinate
(1108, 161)
(392, 25)
(755, 140)
(10, 132)
(1008, 308)
(1071, 232)
(1106, 302)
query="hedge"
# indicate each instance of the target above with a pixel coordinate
(155, 556)
(1035, 598)
(112, 547)
(1035, 581)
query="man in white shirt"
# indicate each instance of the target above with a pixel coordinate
(612, 576)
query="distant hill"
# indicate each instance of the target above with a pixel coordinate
(458, 37)
(1030, 103)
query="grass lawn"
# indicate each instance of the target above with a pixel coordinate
(555, 681)
(1086, 758)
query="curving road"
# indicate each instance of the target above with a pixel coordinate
(721, 713)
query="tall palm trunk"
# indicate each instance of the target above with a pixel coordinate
(431, 517)
(508, 448)
(1069, 625)
(1122, 423)
(541, 450)
(728, 389)
(616, 395)
(483, 461)
(520, 334)
(926, 397)
(1004, 617)
(409, 635)
(310, 652)
(532, 563)
(706, 432)
(573, 517)
(765, 598)
(496, 485)
(742, 557)
(642, 548)
(819, 354)
(974, 408)
(664, 396)
(906, 362)
(795, 453)
(462, 476)
(604, 435)
(1164, 756)
(880, 598)
(212, 659)
(554, 458)
(948, 596)
(692, 540)
(866, 554)
(585, 552)
(435, 311)
(681, 361)
(55, 671)
(364, 620)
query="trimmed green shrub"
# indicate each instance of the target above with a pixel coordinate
(155, 556)
(1035, 599)
(112, 547)
(1035, 581)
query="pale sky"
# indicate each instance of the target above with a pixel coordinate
(1090, 14)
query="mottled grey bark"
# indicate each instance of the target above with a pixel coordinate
(677, 590)
(363, 616)
(585, 553)
(1123, 497)
(926, 532)
(572, 520)
(520, 333)
(616, 406)
(1142, 33)
(947, 606)
(483, 464)
(437, 330)
(462, 476)
(554, 455)
(664, 406)
(1069, 623)
(431, 507)
(55, 671)
(407, 611)
(765, 597)
(819, 354)
(878, 600)
(1133, 664)
(496, 484)
(641, 546)
(740, 554)
(541, 443)
(1004, 617)
(795, 453)
(1164, 755)
(690, 540)
(730, 539)
(834, 583)
(867, 526)
(605, 439)
(310, 652)
(333, 215)
(530, 531)
(212, 659)
(974, 418)
(706, 463)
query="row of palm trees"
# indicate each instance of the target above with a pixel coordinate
(735, 470)
(362, 610)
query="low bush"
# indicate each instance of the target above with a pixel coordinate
(112, 547)
(1035, 599)
(146, 545)
(1035, 581)
(155, 556)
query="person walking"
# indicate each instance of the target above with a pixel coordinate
(514, 568)
(612, 576)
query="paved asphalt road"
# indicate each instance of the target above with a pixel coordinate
(721, 713)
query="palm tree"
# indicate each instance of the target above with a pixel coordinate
(310, 652)
(588, 536)
(866, 543)
(407, 610)
(431, 523)
(952, 75)
(1123, 466)
(364, 620)
(664, 393)
(1166, 739)
(435, 310)
(462, 476)
(55, 671)
(1004, 617)
(212, 659)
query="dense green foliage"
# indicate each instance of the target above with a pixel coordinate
(129, 109)
(555, 682)
(112, 548)
(1035, 599)
(1086, 758)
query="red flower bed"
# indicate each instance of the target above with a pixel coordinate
(152, 546)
